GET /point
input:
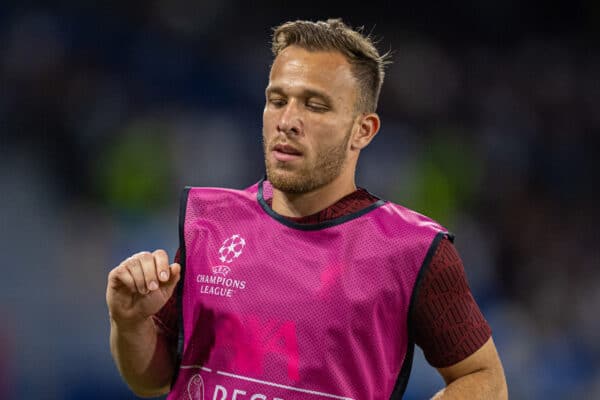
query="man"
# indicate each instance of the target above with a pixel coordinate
(303, 286)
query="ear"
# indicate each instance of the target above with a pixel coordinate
(368, 126)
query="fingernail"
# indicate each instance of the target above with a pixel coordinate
(164, 276)
(153, 285)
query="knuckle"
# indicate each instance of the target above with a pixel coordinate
(115, 270)
(130, 264)
(133, 259)
(160, 253)
(162, 259)
(112, 275)
(139, 254)
(146, 258)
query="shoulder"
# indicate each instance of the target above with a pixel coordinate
(213, 196)
(412, 217)
(413, 229)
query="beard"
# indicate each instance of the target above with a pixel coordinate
(327, 165)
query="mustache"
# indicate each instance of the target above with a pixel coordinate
(276, 142)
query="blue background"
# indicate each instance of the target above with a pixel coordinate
(490, 125)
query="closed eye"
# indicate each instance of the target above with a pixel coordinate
(317, 107)
(277, 102)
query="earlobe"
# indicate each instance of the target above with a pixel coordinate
(368, 126)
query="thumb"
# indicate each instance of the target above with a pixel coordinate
(174, 276)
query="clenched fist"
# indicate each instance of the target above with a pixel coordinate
(140, 286)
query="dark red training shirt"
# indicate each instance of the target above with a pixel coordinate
(446, 321)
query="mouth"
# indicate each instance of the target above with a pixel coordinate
(285, 152)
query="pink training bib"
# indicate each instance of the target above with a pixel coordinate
(272, 309)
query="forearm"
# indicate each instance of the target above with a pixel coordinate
(143, 357)
(483, 384)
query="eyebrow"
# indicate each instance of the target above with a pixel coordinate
(307, 93)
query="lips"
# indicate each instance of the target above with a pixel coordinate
(286, 152)
(287, 149)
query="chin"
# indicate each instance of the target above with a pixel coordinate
(288, 182)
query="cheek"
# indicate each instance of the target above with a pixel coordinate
(330, 134)
(269, 121)
(267, 128)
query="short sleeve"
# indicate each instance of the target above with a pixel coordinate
(448, 324)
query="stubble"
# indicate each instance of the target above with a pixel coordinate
(314, 174)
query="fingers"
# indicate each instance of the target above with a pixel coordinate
(145, 272)
(135, 266)
(162, 265)
(176, 271)
(120, 276)
(175, 274)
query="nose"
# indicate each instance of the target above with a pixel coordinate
(290, 121)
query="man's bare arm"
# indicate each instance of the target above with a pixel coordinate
(144, 358)
(137, 289)
(479, 376)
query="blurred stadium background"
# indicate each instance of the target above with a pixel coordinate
(491, 124)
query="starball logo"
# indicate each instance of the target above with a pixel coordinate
(231, 248)
(218, 284)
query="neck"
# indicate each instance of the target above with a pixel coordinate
(303, 204)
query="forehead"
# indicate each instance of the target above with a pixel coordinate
(328, 71)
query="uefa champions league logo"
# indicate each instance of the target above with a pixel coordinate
(231, 248)
(218, 283)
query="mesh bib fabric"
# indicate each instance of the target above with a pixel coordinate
(276, 310)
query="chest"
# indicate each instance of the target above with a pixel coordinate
(289, 300)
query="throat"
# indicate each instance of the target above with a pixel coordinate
(299, 205)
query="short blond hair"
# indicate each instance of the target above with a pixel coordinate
(366, 63)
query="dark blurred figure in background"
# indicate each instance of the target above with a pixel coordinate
(491, 128)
